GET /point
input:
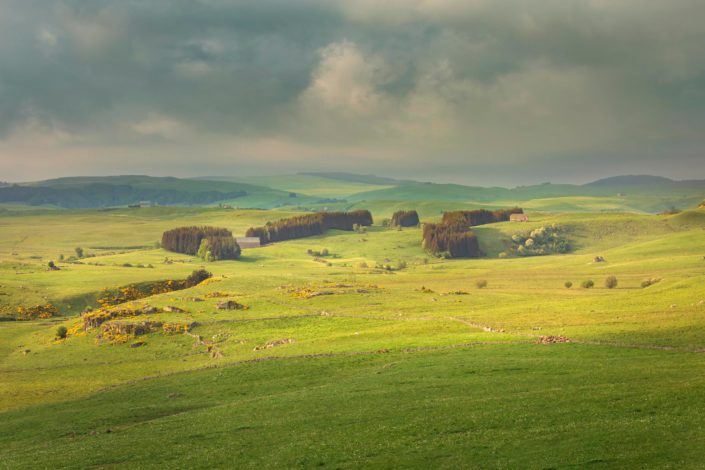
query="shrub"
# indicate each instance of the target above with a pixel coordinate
(648, 282)
(51, 265)
(589, 284)
(568, 284)
(197, 277)
(79, 252)
(61, 257)
(611, 282)
(61, 332)
(362, 265)
(481, 283)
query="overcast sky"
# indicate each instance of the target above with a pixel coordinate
(472, 91)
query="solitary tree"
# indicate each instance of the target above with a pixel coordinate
(79, 252)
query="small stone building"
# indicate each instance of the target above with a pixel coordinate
(518, 218)
(248, 242)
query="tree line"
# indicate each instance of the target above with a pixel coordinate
(405, 219)
(308, 225)
(479, 216)
(211, 243)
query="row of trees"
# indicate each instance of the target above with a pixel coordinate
(211, 243)
(310, 224)
(479, 216)
(405, 219)
(454, 241)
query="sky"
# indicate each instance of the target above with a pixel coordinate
(470, 91)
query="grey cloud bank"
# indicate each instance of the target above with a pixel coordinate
(471, 91)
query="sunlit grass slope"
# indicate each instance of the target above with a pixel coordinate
(415, 366)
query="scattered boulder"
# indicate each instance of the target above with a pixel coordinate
(599, 259)
(216, 354)
(149, 310)
(172, 309)
(552, 340)
(137, 344)
(230, 305)
(274, 343)
(114, 328)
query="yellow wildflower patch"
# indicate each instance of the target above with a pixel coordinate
(36, 311)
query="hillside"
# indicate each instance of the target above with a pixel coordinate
(111, 191)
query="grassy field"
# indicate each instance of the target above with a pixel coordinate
(414, 367)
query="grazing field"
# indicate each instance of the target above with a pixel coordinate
(357, 348)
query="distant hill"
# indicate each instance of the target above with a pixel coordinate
(111, 191)
(342, 191)
(633, 180)
(355, 178)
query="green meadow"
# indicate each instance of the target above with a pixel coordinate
(414, 365)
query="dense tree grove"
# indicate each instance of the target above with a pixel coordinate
(479, 216)
(187, 240)
(405, 219)
(455, 240)
(309, 224)
(218, 248)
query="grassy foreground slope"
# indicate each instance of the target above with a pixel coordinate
(503, 406)
(387, 367)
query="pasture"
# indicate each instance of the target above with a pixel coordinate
(340, 362)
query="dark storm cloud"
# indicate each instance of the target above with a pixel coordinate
(199, 86)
